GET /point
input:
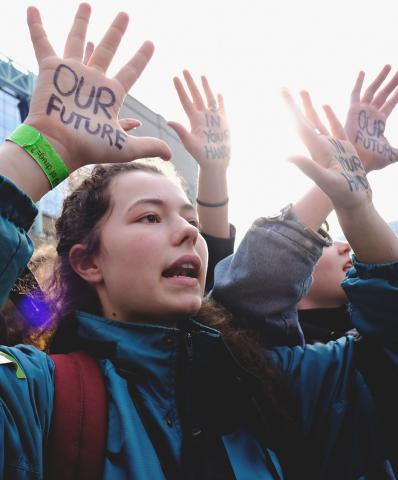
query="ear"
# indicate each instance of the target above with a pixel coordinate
(85, 266)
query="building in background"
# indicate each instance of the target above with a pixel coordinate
(16, 87)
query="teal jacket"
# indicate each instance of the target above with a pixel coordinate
(180, 406)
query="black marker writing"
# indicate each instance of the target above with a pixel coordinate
(213, 121)
(337, 145)
(375, 129)
(370, 135)
(98, 99)
(356, 182)
(90, 98)
(353, 172)
(376, 146)
(106, 131)
(216, 137)
(215, 153)
(351, 164)
(67, 83)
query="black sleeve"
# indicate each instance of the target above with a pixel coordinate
(219, 248)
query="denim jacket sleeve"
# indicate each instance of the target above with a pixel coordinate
(268, 274)
(17, 213)
(346, 389)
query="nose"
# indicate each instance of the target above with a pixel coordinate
(184, 232)
(343, 248)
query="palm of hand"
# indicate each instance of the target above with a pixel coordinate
(209, 141)
(75, 105)
(367, 117)
(335, 165)
(365, 128)
(343, 177)
(83, 104)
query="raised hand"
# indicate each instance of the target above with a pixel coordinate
(76, 106)
(335, 165)
(367, 117)
(209, 140)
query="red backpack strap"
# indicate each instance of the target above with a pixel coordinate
(79, 426)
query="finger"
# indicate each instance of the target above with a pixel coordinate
(74, 46)
(311, 169)
(129, 74)
(129, 123)
(211, 99)
(389, 105)
(371, 90)
(311, 114)
(106, 49)
(356, 92)
(305, 129)
(181, 131)
(221, 105)
(287, 97)
(88, 52)
(196, 96)
(147, 147)
(186, 103)
(394, 156)
(383, 95)
(335, 126)
(41, 45)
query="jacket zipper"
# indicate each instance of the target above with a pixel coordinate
(189, 346)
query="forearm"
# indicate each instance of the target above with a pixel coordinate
(18, 166)
(313, 208)
(219, 248)
(24, 171)
(213, 189)
(370, 237)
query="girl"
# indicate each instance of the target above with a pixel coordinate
(184, 400)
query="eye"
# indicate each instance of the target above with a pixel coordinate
(150, 218)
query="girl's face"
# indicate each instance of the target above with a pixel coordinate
(152, 261)
(329, 272)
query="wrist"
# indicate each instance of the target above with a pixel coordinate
(288, 215)
(57, 141)
(220, 204)
(215, 169)
(361, 214)
(33, 142)
(18, 166)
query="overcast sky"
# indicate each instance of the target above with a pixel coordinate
(249, 50)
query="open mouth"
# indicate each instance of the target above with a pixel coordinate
(347, 266)
(184, 270)
(186, 266)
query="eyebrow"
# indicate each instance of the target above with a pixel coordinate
(156, 201)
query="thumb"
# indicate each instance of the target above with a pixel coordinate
(147, 147)
(129, 123)
(311, 169)
(180, 130)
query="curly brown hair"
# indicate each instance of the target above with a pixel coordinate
(84, 210)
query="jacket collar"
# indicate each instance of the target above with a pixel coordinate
(149, 350)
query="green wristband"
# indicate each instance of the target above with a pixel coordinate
(42, 151)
